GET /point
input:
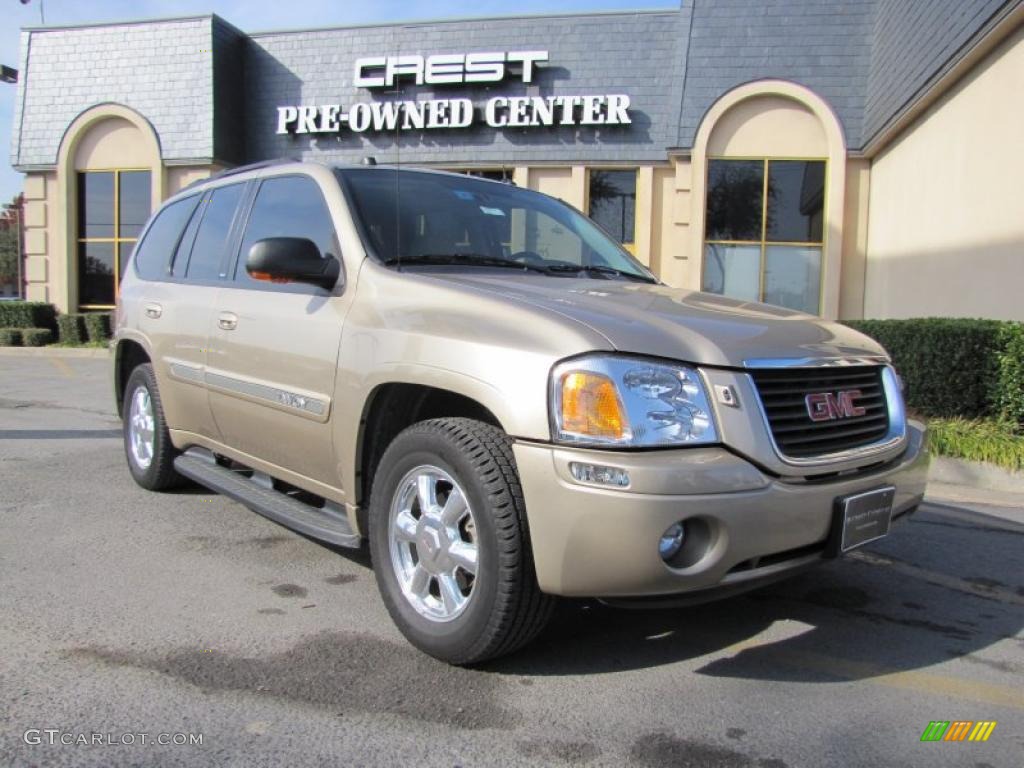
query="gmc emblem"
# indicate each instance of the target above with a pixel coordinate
(825, 406)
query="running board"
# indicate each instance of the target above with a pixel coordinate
(324, 524)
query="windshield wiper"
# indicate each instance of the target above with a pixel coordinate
(599, 269)
(464, 260)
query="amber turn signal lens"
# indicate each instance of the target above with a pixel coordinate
(591, 407)
(267, 277)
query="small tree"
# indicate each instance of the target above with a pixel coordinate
(10, 241)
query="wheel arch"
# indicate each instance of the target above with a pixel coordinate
(393, 406)
(128, 355)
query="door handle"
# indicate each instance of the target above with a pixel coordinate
(227, 320)
(153, 310)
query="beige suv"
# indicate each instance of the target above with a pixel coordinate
(506, 404)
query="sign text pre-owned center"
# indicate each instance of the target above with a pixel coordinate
(450, 69)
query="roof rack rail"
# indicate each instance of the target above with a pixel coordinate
(243, 169)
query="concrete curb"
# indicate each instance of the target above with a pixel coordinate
(97, 352)
(975, 474)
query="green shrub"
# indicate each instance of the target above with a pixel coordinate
(949, 365)
(27, 314)
(10, 337)
(70, 329)
(36, 337)
(97, 326)
(1009, 395)
(990, 441)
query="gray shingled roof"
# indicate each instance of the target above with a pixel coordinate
(210, 91)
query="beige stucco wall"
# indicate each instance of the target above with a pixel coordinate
(42, 283)
(768, 124)
(180, 176)
(946, 211)
(855, 239)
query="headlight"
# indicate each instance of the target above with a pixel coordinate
(608, 400)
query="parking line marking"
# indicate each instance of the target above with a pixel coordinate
(920, 682)
(941, 579)
(63, 367)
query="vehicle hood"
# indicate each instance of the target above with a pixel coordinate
(689, 326)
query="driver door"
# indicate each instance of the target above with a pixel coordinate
(273, 350)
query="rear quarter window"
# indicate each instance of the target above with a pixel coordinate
(153, 254)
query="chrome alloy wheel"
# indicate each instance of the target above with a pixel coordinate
(433, 543)
(141, 428)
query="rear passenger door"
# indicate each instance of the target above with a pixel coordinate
(274, 348)
(177, 307)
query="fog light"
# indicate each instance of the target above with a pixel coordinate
(600, 475)
(672, 541)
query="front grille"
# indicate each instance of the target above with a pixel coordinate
(783, 393)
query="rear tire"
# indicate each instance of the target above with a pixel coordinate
(147, 443)
(456, 571)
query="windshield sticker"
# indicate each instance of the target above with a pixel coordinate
(492, 211)
(463, 194)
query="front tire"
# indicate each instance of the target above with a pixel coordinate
(147, 442)
(450, 544)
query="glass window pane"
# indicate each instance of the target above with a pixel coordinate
(95, 273)
(133, 201)
(734, 195)
(733, 270)
(500, 220)
(96, 204)
(613, 203)
(154, 255)
(288, 206)
(796, 196)
(792, 277)
(187, 238)
(212, 238)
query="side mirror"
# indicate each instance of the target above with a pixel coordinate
(291, 260)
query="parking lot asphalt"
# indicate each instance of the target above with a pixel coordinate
(124, 612)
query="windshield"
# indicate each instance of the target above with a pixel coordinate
(426, 218)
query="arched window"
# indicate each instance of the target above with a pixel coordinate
(112, 207)
(769, 172)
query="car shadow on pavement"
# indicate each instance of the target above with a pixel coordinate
(858, 617)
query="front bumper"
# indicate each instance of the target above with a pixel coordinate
(598, 542)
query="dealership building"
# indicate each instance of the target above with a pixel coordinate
(851, 158)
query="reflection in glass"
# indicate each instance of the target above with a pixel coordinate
(288, 206)
(133, 202)
(796, 195)
(96, 204)
(96, 273)
(734, 195)
(733, 270)
(209, 247)
(613, 203)
(792, 277)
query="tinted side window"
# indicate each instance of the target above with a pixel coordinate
(213, 234)
(288, 206)
(153, 255)
(188, 237)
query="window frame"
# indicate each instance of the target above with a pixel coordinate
(116, 240)
(631, 246)
(764, 243)
(231, 243)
